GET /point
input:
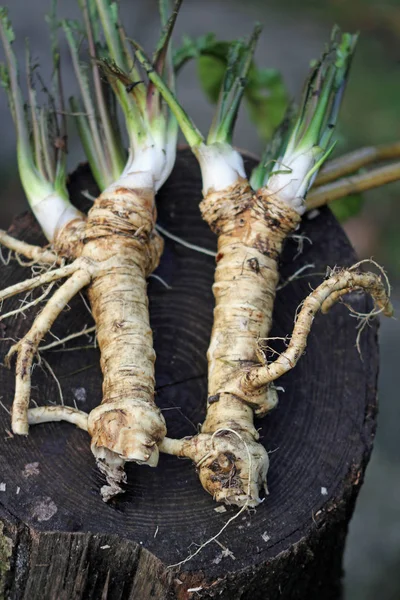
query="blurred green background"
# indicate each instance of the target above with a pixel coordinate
(294, 33)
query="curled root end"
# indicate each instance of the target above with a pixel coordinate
(322, 298)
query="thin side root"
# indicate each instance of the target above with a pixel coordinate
(28, 305)
(47, 414)
(72, 336)
(322, 298)
(27, 347)
(48, 277)
(175, 447)
(35, 253)
(332, 299)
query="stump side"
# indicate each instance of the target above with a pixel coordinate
(320, 438)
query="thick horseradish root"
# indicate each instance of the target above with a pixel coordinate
(112, 250)
(120, 249)
(251, 227)
(127, 423)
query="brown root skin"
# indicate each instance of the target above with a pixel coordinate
(231, 464)
(251, 229)
(117, 248)
(127, 423)
(126, 431)
(68, 240)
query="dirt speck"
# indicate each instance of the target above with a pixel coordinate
(79, 394)
(265, 536)
(31, 469)
(43, 509)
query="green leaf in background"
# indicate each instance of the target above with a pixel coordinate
(266, 99)
(347, 207)
(265, 95)
(211, 71)
(193, 48)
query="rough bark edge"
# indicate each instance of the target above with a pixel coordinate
(83, 566)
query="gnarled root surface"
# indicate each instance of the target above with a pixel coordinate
(231, 464)
(127, 423)
(251, 229)
(116, 248)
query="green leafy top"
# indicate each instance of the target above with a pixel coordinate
(265, 94)
(112, 61)
(238, 56)
(142, 106)
(238, 64)
(98, 130)
(301, 154)
(41, 135)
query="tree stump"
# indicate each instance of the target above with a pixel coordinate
(61, 541)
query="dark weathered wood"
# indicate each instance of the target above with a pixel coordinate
(61, 541)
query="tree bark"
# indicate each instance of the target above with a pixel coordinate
(60, 541)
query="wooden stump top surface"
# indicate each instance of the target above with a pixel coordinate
(319, 436)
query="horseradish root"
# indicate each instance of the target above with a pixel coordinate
(232, 465)
(251, 227)
(115, 248)
(121, 230)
